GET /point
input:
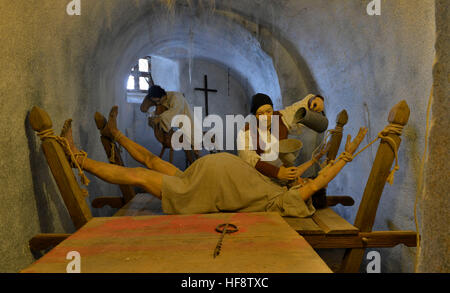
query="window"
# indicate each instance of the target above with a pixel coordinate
(140, 78)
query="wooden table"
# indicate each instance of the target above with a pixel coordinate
(185, 244)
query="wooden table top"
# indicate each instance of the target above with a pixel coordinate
(185, 244)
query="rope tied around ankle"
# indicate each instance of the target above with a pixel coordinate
(392, 128)
(346, 156)
(323, 144)
(112, 158)
(50, 134)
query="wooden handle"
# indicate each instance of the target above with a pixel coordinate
(399, 114)
(336, 137)
(342, 118)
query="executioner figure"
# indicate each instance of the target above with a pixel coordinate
(214, 183)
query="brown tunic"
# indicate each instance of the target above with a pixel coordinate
(264, 167)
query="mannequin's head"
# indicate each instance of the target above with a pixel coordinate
(262, 108)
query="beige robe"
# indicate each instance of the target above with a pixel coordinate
(225, 183)
(176, 104)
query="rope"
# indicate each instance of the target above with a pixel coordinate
(112, 158)
(49, 134)
(337, 129)
(328, 133)
(346, 156)
(392, 128)
(320, 147)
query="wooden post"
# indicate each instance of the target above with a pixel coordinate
(336, 137)
(320, 198)
(374, 187)
(71, 193)
(108, 144)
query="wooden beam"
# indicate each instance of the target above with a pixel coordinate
(71, 192)
(363, 240)
(375, 185)
(336, 137)
(304, 226)
(46, 241)
(332, 223)
(108, 145)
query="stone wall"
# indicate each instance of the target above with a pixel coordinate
(434, 200)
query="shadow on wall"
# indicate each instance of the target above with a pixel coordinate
(45, 192)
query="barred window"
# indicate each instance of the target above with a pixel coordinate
(140, 78)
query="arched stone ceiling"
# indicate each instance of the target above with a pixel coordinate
(222, 36)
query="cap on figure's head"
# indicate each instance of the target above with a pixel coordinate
(259, 100)
(155, 91)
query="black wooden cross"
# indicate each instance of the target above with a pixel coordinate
(206, 90)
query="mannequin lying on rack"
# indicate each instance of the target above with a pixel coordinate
(215, 183)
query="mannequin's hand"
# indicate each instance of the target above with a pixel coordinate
(317, 105)
(351, 146)
(287, 173)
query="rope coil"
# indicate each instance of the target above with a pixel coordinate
(50, 134)
(392, 128)
(112, 158)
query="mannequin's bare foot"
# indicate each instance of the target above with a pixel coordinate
(110, 130)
